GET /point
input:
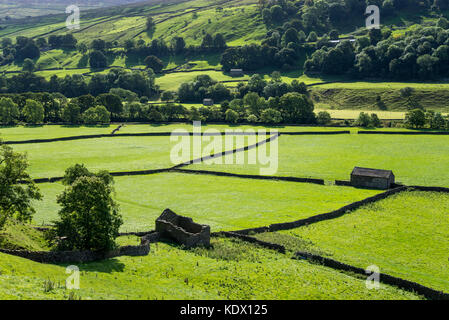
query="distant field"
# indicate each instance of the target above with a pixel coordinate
(113, 154)
(415, 160)
(209, 200)
(170, 273)
(350, 96)
(20, 133)
(173, 81)
(402, 235)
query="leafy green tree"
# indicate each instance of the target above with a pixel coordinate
(252, 118)
(415, 118)
(28, 65)
(96, 115)
(150, 25)
(97, 60)
(16, 197)
(251, 101)
(168, 96)
(266, 16)
(154, 63)
(9, 111)
(71, 113)
(364, 120)
(297, 108)
(33, 111)
(79, 170)
(312, 37)
(112, 102)
(219, 41)
(270, 116)
(89, 217)
(231, 116)
(208, 41)
(323, 118)
(375, 121)
(333, 35)
(178, 45)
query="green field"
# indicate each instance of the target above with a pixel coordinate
(403, 235)
(415, 160)
(207, 199)
(170, 273)
(230, 203)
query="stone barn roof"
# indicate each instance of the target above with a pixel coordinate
(374, 173)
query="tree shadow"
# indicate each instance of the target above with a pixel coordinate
(82, 63)
(104, 266)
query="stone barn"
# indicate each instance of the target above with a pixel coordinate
(182, 229)
(208, 102)
(236, 72)
(372, 178)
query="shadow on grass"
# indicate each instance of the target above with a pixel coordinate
(105, 266)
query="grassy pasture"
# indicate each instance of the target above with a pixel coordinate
(415, 160)
(172, 81)
(403, 235)
(20, 133)
(222, 202)
(431, 96)
(115, 154)
(170, 273)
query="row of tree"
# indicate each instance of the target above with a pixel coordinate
(140, 82)
(423, 54)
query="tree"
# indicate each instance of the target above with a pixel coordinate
(312, 37)
(270, 116)
(9, 111)
(178, 44)
(33, 111)
(154, 63)
(251, 101)
(231, 116)
(323, 118)
(333, 35)
(76, 171)
(98, 45)
(375, 121)
(266, 16)
(150, 25)
(168, 96)
(219, 41)
(364, 120)
(96, 115)
(89, 217)
(71, 113)
(16, 197)
(415, 118)
(252, 118)
(112, 102)
(277, 14)
(28, 65)
(297, 108)
(291, 35)
(208, 41)
(97, 60)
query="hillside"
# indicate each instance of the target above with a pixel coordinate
(258, 42)
(30, 8)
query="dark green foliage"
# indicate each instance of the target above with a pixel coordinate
(97, 59)
(16, 200)
(89, 217)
